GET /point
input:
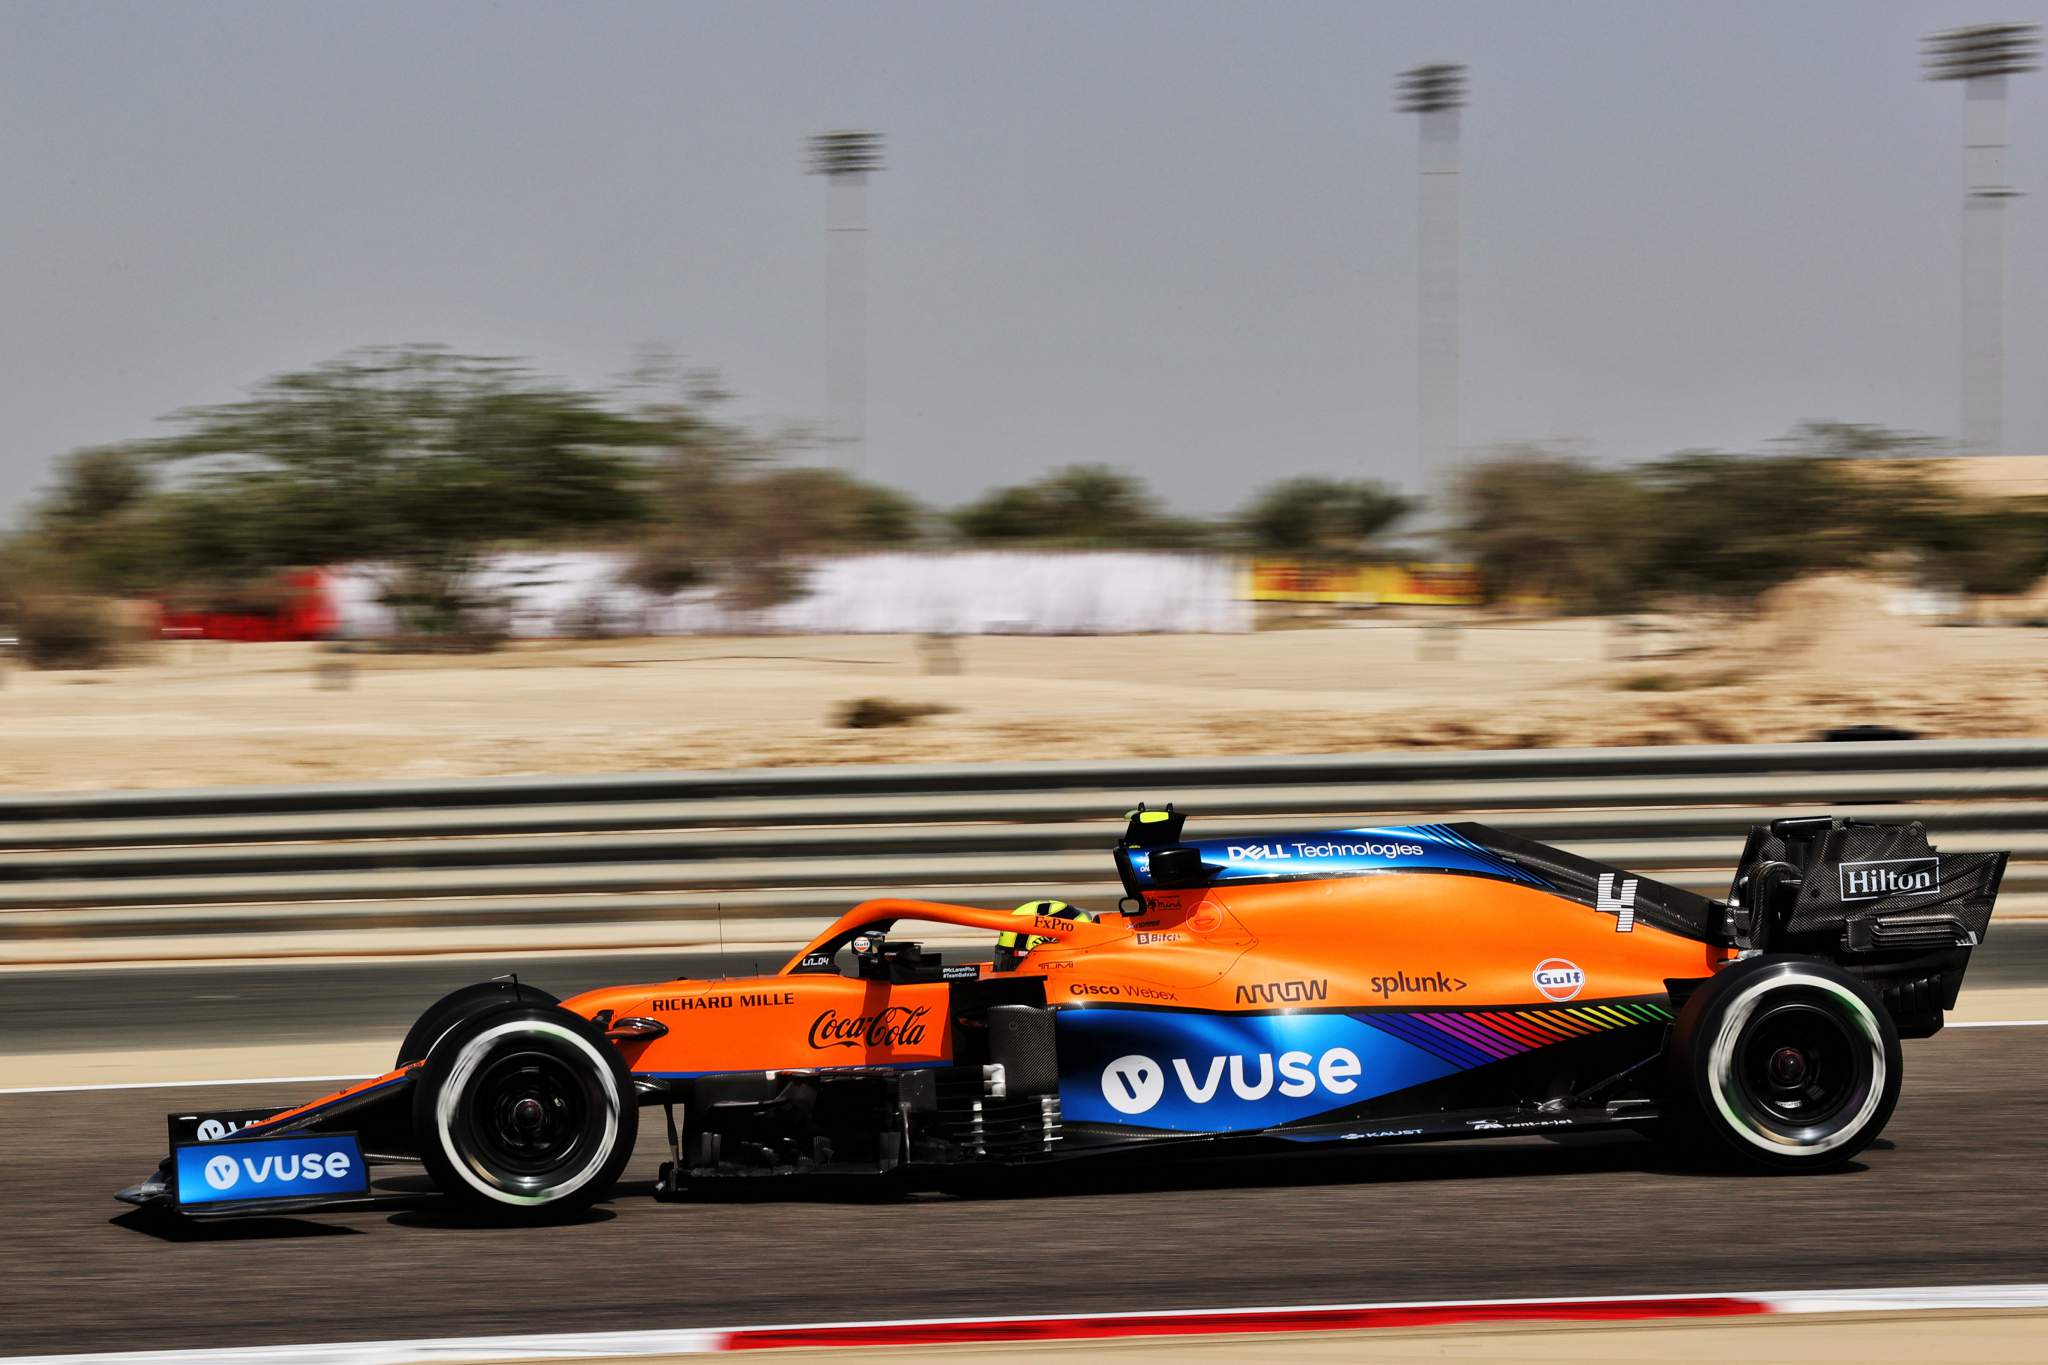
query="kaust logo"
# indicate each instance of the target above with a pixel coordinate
(1134, 1084)
(224, 1172)
(894, 1027)
(1558, 979)
(1890, 877)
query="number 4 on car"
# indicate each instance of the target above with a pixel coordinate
(1266, 993)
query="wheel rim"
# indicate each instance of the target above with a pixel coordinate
(526, 1113)
(529, 1112)
(1798, 1065)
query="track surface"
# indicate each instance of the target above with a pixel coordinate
(1954, 1195)
(62, 1011)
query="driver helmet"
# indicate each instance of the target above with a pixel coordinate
(1012, 946)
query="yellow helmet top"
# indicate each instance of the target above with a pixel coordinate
(1024, 943)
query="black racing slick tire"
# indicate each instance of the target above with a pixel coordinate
(1782, 1063)
(524, 1114)
(456, 1006)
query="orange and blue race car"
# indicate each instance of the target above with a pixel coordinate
(1255, 992)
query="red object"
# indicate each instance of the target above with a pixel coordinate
(1365, 1317)
(307, 613)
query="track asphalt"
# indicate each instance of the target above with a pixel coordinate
(1952, 1194)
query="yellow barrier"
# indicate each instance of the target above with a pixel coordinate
(1420, 585)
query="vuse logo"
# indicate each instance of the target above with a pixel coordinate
(222, 1173)
(1133, 1084)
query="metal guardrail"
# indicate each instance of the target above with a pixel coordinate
(226, 870)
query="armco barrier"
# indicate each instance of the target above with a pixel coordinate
(489, 864)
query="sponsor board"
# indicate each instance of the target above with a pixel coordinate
(1558, 978)
(308, 1166)
(1378, 584)
(1868, 881)
(1226, 1073)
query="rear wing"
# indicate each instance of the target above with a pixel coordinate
(1877, 898)
(1869, 887)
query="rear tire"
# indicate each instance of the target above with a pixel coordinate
(1782, 1064)
(525, 1114)
(456, 1006)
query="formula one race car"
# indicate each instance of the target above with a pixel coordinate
(1267, 991)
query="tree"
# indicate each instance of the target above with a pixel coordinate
(410, 457)
(95, 531)
(1079, 505)
(1552, 526)
(750, 530)
(1718, 525)
(1981, 547)
(1311, 516)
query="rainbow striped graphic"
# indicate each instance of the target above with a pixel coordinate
(1469, 1038)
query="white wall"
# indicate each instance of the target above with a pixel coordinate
(968, 592)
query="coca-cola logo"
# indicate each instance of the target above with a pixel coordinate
(895, 1027)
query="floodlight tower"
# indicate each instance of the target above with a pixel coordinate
(1981, 57)
(1436, 92)
(846, 159)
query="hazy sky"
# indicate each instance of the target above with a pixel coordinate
(1174, 236)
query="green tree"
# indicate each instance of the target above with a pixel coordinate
(1718, 525)
(95, 530)
(1079, 505)
(1980, 547)
(1553, 526)
(722, 519)
(1310, 516)
(410, 457)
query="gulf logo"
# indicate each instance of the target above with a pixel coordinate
(1558, 979)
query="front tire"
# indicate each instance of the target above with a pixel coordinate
(525, 1114)
(1784, 1064)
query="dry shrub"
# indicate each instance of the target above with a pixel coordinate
(70, 632)
(875, 713)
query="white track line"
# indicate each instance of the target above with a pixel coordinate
(173, 1085)
(309, 1080)
(1698, 1308)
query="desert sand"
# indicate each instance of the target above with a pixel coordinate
(1811, 656)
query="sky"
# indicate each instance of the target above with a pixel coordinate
(1175, 237)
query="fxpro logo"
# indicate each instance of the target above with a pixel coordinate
(1259, 852)
(1890, 877)
(1134, 1083)
(224, 1172)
